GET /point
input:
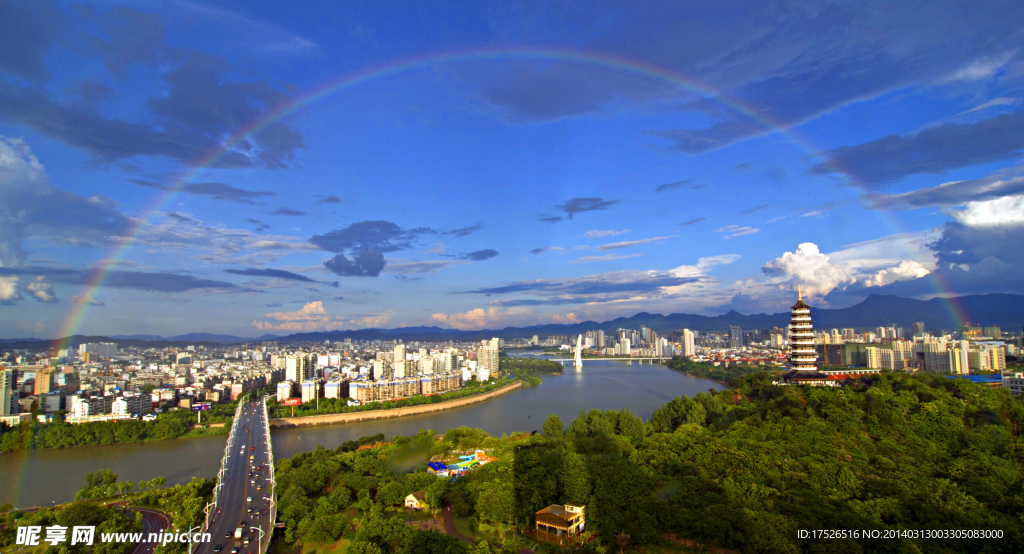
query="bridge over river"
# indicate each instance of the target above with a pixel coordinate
(244, 496)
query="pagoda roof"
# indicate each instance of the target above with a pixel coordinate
(800, 305)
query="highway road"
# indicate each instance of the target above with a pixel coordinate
(152, 522)
(245, 487)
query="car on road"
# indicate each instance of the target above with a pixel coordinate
(246, 541)
(234, 550)
(227, 535)
(218, 548)
(248, 499)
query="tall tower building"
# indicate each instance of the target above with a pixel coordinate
(9, 392)
(736, 336)
(802, 356)
(688, 349)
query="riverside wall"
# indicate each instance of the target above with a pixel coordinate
(394, 412)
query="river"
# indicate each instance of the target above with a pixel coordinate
(39, 477)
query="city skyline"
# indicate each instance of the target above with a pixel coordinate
(182, 167)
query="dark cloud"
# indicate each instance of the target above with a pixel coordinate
(479, 255)
(692, 222)
(950, 194)
(273, 273)
(744, 165)
(31, 208)
(274, 305)
(383, 236)
(537, 251)
(339, 297)
(754, 209)
(138, 280)
(675, 185)
(577, 205)
(216, 191)
(933, 150)
(549, 219)
(182, 218)
(465, 231)
(366, 243)
(366, 263)
(129, 36)
(199, 106)
(260, 226)
(329, 200)
(27, 30)
(601, 284)
(93, 91)
(287, 211)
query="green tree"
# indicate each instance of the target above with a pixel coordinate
(553, 426)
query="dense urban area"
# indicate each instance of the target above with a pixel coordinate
(102, 382)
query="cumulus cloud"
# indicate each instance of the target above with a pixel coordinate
(9, 288)
(365, 263)
(311, 317)
(41, 290)
(481, 318)
(809, 269)
(1007, 211)
(566, 319)
(905, 270)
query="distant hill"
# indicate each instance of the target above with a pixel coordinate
(1005, 310)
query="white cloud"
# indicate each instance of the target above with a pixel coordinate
(91, 300)
(809, 269)
(627, 244)
(42, 291)
(1007, 211)
(600, 234)
(9, 288)
(605, 258)
(311, 317)
(565, 319)
(731, 231)
(481, 318)
(905, 270)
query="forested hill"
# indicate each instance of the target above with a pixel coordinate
(744, 469)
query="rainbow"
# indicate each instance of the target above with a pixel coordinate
(98, 277)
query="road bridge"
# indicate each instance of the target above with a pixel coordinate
(651, 360)
(244, 495)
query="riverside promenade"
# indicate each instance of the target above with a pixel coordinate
(328, 419)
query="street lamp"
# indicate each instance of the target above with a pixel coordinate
(260, 540)
(190, 541)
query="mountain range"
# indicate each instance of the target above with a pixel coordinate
(1005, 310)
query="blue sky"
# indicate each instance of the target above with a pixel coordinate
(543, 162)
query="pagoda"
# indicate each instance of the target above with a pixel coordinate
(802, 356)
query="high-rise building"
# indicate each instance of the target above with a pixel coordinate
(487, 357)
(9, 392)
(736, 336)
(688, 339)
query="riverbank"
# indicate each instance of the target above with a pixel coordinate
(350, 417)
(719, 381)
